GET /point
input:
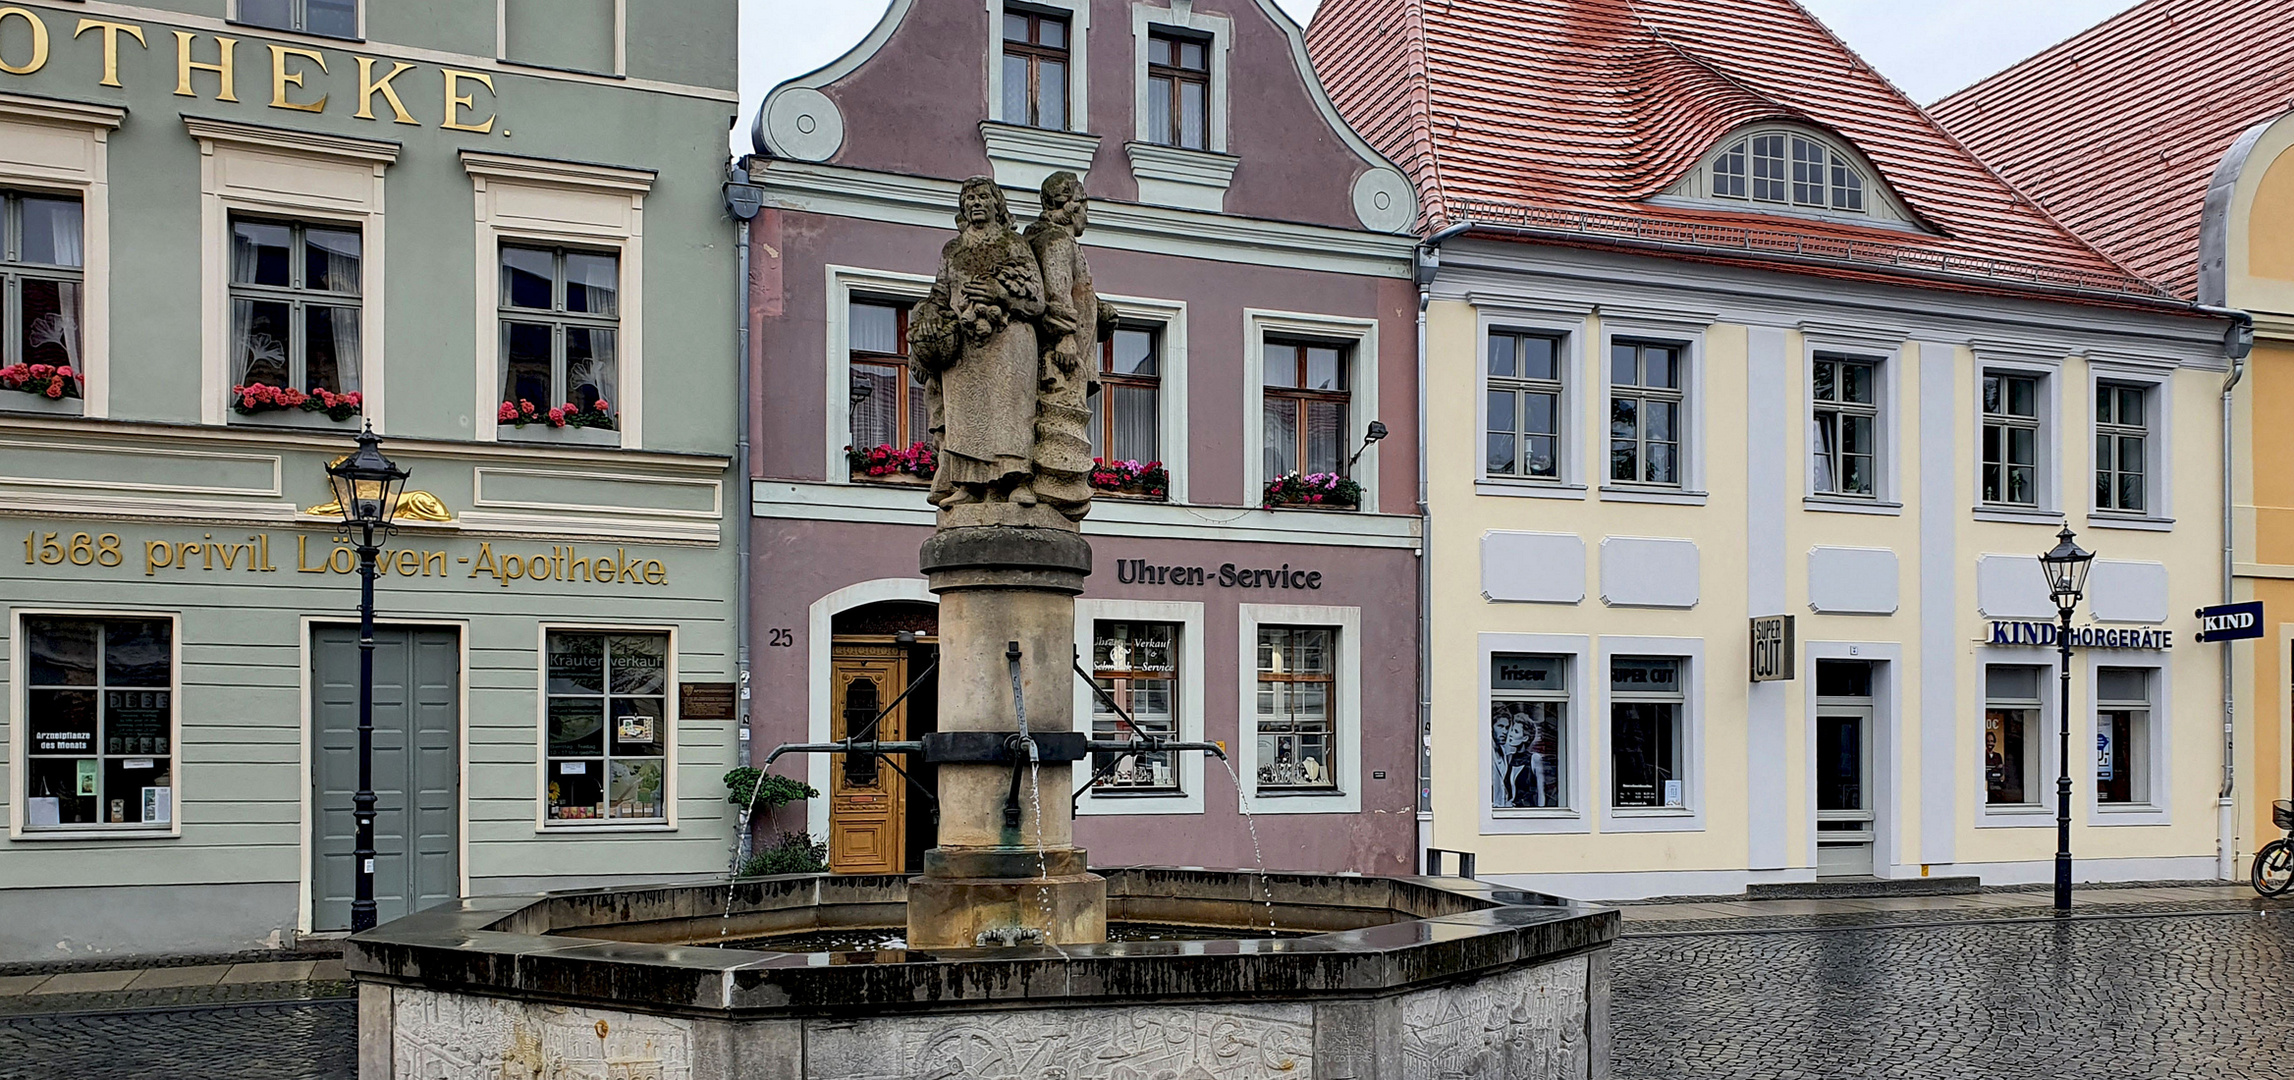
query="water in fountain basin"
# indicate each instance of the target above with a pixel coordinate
(1243, 802)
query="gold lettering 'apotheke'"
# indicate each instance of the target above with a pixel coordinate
(207, 65)
(566, 564)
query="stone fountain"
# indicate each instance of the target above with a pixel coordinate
(996, 963)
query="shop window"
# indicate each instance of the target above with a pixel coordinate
(1136, 664)
(2011, 439)
(2122, 439)
(1645, 704)
(2013, 735)
(1529, 732)
(1178, 90)
(99, 723)
(40, 280)
(329, 18)
(1645, 405)
(560, 316)
(889, 411)
(1035, 69)
(1126, 414)
(2123, 736)
(1297, 687)
(295, 308)
(1846, 426)
(1524, 406)
(1306, 405)
(608, 727)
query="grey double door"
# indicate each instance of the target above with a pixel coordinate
(417, 770)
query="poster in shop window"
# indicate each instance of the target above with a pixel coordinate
(136, 721)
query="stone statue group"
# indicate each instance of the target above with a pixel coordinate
(1007, 349)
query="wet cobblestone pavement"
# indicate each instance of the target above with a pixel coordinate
(294, 1040)
(2124, 996)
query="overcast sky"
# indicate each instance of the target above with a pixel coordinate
(1928, 47)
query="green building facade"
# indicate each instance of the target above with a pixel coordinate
(231, 232)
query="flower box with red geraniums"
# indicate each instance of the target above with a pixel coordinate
(1131, 479)
(1315, 491)
(52, 381)
(259, 398)
(893, 465)
(569, 415)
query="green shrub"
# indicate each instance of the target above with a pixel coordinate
(789, 853)
(741, 786)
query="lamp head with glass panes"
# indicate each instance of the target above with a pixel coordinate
(366, 484)
(2066, 568)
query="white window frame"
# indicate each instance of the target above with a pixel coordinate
(19, 707)
(320, 179)
(2159, 744)
(1078, 61)
(847, 284)
(1577, 751)
(1595, 437)
(1360, 336)
(502, 36)
(1881, 206)
(1690, 815)
(1188, 615)
(2049, 459)
(64, 147)
(671, 739)
(554, 203)
(2158, 449)
(2040, 812)
(1887, 396)
(1221, 32)
(1170, 318)
(1347, 717)
(1570, 332)
(235, 20)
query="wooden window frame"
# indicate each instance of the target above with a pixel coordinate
(1300, 397)
(1331, 729)
(1177, 76)
(1121, 691)
(1109, 381)
(856, 359)
(1035, 53)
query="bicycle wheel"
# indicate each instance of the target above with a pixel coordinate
(2274, 868)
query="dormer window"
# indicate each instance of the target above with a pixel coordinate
(1800, 171)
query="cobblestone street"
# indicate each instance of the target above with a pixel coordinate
(296, 1040)
(2110, 997)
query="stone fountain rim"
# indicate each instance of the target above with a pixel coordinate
(457, 948)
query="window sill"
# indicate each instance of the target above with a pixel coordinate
(1137, 793)
(1177, 176)
(2016, 515)
(263, 28)
(2104, 520)
(1315, 508)
(2015, 817)
(1523, 813)
(1651, 812)
(531, 65)
(1129, 496)
(1529, 489)
(50, 833)
(543, 433)
(1668, 496)
(1839, 504)
(2122, 815)
(1023, 156)
(894, 480)
(582, 825)
(296, 419)
(40, 404)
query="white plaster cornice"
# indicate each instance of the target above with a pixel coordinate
(291, 140)
(59, 111)
(530, 170)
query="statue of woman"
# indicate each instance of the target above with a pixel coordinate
(973, 342)
(1074, 323)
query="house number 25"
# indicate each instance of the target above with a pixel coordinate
(781, 639)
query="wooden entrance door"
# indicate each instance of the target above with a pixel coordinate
(867, 826)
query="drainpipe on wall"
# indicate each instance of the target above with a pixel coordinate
(2236, 344)
(742, 201)
(1429, 263)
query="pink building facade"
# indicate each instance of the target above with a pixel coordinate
(1259, 253)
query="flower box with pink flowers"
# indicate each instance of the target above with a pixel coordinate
(1130, 479)
(255, 399)
(1313, 491)
(46, 383)
(889, 464)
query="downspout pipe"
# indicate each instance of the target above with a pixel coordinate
(1429, 264)
(2237, 343)
(742, 200)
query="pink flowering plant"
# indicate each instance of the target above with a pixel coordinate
(257, 398)
(1313, 489)
(52, 381)
(1150, 480)
(569, 415)
(888, 461)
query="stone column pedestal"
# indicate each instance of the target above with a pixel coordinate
(1005, 579)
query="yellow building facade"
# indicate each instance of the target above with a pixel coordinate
(1829, 450)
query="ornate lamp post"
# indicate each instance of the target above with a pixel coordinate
(2066, 568)
(366, 486)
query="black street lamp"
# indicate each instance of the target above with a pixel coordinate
(366, 486)
(2066, 568)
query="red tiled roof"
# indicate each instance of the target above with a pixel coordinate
(2118, 130)
(1567, 115)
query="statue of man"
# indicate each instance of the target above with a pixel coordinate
(973, 343)
(1074, 323)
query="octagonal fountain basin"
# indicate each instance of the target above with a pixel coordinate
(1229, 975)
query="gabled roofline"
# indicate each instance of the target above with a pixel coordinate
(894, 14)
(2214, 219)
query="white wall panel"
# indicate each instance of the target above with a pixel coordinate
(1539, 568)
(1852, 581)
(2128, 591)
(2012, 587)
(1640, 572)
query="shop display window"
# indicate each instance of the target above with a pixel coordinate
(99, 723)
(1645, 703)
(608, 727)
(2123, 736)
(1136, 664)
(1529, 732)
(1297, 691)
(2012, 735)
